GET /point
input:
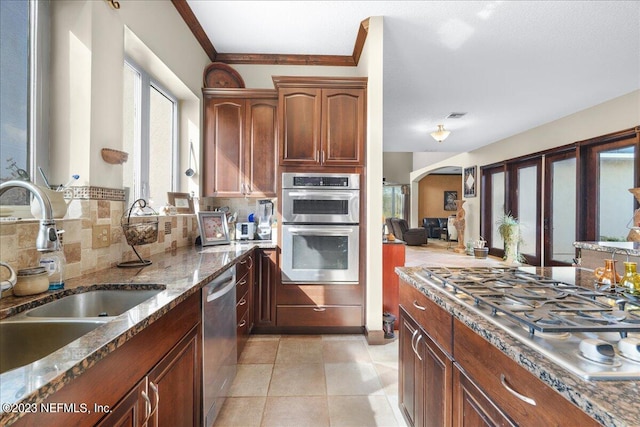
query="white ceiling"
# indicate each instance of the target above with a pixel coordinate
(511, 65)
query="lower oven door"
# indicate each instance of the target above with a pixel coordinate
(320, 253)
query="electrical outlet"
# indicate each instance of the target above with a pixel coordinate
(101, 236)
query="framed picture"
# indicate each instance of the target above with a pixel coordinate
(213, 228)
(450, 198)
(469, 181)
(182, 202)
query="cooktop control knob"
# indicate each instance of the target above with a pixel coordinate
(597, 350)
(630, 348)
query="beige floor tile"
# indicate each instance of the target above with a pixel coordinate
(345, 351)
(241, 412)
(299, 351)
(388, 377)
(393, 402)
(361, 411)
(264, 337)
(385, 353)
(259, 352)
(306, 379)
(344, 337)
(251, 380)
(296, 412)
(358, 379)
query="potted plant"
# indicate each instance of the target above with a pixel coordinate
(479, 248)
(509, 229)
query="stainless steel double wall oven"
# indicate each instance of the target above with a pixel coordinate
(320, 228)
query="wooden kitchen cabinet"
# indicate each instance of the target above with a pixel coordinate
(510, 388)
(264, 295)
(322, 121)
(240, 143)
(166, 353)
(425, 376)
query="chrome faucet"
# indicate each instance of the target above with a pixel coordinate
(47, 239)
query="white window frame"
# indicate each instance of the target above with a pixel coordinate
(142, 138)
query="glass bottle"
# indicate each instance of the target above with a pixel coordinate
(631, 279)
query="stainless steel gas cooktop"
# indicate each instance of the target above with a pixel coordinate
(593, 333)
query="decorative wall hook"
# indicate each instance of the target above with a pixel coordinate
(113, 3)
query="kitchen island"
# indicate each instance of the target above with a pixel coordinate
(608, 402)
(179, 274)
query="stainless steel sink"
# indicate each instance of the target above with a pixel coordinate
(24, 342)
(99, 303)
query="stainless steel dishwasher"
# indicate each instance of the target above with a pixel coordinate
(219, 346)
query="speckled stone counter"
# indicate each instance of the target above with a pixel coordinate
(619, 248)
(179, 274)
(612, 403)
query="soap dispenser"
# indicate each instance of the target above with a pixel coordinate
(54, 262)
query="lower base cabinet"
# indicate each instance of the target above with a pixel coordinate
(451, 376)
(155, 376)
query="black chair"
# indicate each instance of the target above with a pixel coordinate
(411, 236)
(433, 227)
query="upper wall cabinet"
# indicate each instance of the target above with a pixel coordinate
(240, 143)
(322, 121)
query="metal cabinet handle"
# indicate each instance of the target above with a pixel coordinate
(242, 282)
(413, 337)
(416, 349)
(319, 309)
(147, 407)
(251, 262)
(242, 323)
(418, 306)
(157, 399)
(322, 161)
(503, 381)
(242, 302)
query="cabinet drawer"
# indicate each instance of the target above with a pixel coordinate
(320, 295)
(311, 315)
(242, 331)
(431, 317)
(243, 267)
(242, 287)
(500, 378)
(242, 306)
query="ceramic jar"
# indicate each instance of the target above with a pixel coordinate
(608, 274)
(31, 281)
(631, 279)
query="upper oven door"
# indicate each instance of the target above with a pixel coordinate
(321, 206)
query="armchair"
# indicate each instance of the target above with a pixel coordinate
(411, 236)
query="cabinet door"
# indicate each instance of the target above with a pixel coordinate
(299, 110)
(437, 370)
(223, 147)
(343, 114)
(265, 285)
(409, 378)
(472, 408)
(261, 141)
(174, 384)
(130, 411)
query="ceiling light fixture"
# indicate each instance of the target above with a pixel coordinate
(441, 134)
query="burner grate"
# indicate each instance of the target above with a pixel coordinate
(541, 304)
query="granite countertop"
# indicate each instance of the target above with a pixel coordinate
(620, 248)
(179, 274)
(612, 403)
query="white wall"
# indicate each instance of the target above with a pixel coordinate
(87, 53)
(396, 167)
(611, 116)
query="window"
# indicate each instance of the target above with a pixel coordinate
(23, 62)
(150, 136)
(394, 201)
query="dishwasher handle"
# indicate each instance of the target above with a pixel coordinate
(228, 286)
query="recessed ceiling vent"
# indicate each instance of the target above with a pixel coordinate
(455, 115)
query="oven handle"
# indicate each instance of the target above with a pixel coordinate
(324, 231)
(333, 195)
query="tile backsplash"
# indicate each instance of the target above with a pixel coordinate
(18, 238)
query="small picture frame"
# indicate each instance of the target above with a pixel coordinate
(469, 181)
(450, 198)
(182, 202)
(213, 228)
